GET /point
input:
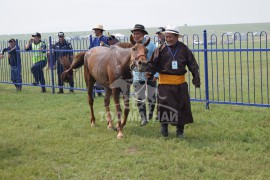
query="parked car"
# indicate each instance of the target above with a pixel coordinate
(228, 42)
(195, 42)
(211, 42)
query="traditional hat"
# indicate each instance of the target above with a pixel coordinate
(139, 27)
(172, 29)
(100, 27)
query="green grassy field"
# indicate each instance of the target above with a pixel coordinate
(46, 136)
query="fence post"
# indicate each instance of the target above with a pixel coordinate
(91, 40)
(51, 64)
(206, 69)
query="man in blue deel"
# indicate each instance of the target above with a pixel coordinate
(99, 40)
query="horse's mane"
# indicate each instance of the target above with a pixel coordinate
(124, 45)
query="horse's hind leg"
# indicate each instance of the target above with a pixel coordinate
(91, 104)
(116, 94)
(90, 85)
(108, 93)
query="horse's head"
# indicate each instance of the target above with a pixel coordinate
(66, 62)
(139, 54)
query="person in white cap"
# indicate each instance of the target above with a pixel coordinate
(170, 61)
(98, 40)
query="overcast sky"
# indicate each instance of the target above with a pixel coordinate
(28, 16)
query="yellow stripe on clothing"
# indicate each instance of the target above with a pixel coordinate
(171, 79)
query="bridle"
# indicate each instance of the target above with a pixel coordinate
(133, 59)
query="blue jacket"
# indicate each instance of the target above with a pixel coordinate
(96, 41)
(15, 57)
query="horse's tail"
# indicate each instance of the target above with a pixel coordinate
(77, 63)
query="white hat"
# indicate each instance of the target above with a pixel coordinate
(172, 29)
(100, 27)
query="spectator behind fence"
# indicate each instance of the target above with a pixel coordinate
(39, 59)
(14, 60)
(141, 84)
(99, 40)
(161, 36)
(112, 40)
(62, 44)
(170, 60)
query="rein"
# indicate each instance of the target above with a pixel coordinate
(138, 93)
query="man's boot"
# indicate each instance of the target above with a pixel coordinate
(43, 89)
(180, 131)
(61, 91)
(164, 129)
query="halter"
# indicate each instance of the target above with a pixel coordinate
(136, 58)
(133, 59)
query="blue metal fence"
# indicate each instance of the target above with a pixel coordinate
(234, 68)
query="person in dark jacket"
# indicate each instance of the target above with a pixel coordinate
(170, 61)
(14, 60)
(60, 48)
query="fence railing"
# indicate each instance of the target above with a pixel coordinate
(234, 68)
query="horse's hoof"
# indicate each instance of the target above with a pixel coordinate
(92, 125)
(110, 127)
(120, 135)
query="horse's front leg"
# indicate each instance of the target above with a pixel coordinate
(126, 104)
(108, 93)
(116, 94)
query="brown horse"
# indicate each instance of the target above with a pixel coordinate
(110, 67)
(66, 61)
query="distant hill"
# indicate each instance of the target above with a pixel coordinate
(189, 30)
